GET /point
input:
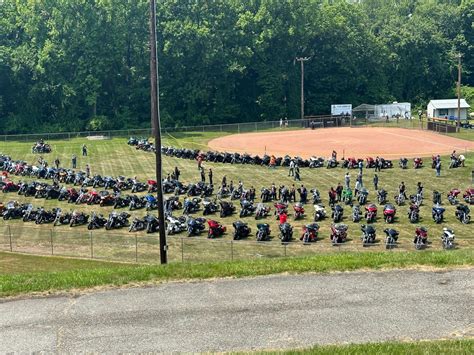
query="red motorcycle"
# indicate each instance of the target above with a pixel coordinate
(10, 186)
(338, 233)
(469, 196)
(310, 233)
(371, 213)
(94, 198)
(370, 162)
(299, 210)
(421, 237)
(152, 186)
(417, 163)
(72, 195)
(389, 213)
(280, 208)
(351, 163)
(452, 196)
(215, 229)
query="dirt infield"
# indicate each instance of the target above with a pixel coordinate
(357, 142)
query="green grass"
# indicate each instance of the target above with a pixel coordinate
(22, 274)
(460, 346)
(115, 157)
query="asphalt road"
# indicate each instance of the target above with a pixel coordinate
(274, 312)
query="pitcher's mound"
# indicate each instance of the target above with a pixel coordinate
(356, 142)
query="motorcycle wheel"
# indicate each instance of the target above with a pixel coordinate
(89, 226)
(466, 220)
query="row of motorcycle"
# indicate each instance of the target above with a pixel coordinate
(237, 158)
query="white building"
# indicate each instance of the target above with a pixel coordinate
(447, 108)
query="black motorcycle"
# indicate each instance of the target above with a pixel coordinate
(191, 205)
(462, 214)
(78, 218)
(391, 237)
(195, 226)
(227, 209)
(286, 232)
(368, 234)
(97, 221)
(117, 220)
(381, 196)
(209, 207)
(437, 213)
(247, 208)
(152, 223)
(263, 232)
(136, 203)
(436, 198)
(241, 230)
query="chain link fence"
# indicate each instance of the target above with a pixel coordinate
(144, 248)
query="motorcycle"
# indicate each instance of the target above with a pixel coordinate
(391, 237)
(136, 203)
(389, 212)
(338, 233)
(97, 221)
(286, 232)
(319, 212)
(265, 195)
(417, 163)
(416, 199)
(106, 199)
(316, 162)
(371, 213)
(215, 229)
(247, 208)
(209, 207)
(400, 199)
(362, 197)
(13, 210)
(117, 220)
(151, 202)
(152, 223)
(370, 163)
(195, 225)
(414, 213)
(241, 230)
(29, 214)
(280, 208)
(452, 196)
(462, 214)
(468, 196)
(138, 187)
(263, 232)
(332, 163)
(347, 196)
(122, 202)
(368, 234)
(310, 233)
(261, 211)
(175, 225)
(403, 163)
(437, 213)
(447, 238)
(381, 196)
(436, 198)
(356, 214)
(299, 210)
(44, 216)
(227, 209)
(62, 218)
(78, 218)
(421, 237)
(337, 213)
(152, 186)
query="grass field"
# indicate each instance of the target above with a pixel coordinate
(22, 274)
(115, 157)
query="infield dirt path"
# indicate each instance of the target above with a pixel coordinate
(272, 312)
(352, 142)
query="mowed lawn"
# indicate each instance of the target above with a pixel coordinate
(114, 157)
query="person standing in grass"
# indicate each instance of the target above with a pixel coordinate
(56, 163)
(347, 180)
(376, 182)
(438, 168)
(210, 176)
(74, 161)
(177, 173)
(203, 175)
(84, 150)
(88, 170)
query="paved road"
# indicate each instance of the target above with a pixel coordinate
(261, 313)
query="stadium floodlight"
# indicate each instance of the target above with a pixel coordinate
(155, 123)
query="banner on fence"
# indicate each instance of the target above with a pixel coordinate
(341, 109)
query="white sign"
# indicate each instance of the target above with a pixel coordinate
(337, 110)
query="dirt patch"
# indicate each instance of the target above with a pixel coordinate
(356, 142)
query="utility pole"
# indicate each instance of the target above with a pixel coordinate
(458, 128)
(302, 60)
(155, 124)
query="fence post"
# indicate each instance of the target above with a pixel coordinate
(52, 245)
(182, 250)
(284, 245)
(136, 248)
(92, 245)
(238, 127)
(232, 250)
(10, 235)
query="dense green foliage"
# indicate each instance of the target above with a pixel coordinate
(81, 64)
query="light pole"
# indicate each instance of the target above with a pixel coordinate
(302, 60)
(458, 128)
(155, 124)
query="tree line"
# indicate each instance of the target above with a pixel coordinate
(84, 64)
